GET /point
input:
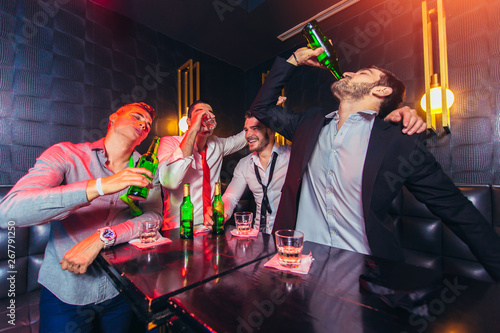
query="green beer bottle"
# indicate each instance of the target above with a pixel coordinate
(148, 161)
(218, 212)
(316, 38)
(186, 215)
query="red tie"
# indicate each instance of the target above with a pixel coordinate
(207, 200)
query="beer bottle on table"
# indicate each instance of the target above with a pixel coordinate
(328, 58)
(148, 161)
(218, 212)
(186, 215)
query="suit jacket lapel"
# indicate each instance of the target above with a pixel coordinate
(304, 140)
(377, 147)
(309, 136)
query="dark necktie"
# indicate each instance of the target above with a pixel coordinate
(265, 205)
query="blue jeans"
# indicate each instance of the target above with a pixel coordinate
(113, 315)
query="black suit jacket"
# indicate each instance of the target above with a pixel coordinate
(393, 159)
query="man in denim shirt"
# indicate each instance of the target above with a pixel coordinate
(77, 188)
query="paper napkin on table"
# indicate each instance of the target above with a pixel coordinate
(251, 233)
(304, 267)
(137, 242)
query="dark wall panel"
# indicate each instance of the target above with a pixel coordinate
(65, 69)
(471, 152)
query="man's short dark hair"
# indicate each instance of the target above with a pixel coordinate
(191, 107)
(398, 95)
(146, 107)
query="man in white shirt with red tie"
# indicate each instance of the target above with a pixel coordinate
(195, 158)
(264, 171)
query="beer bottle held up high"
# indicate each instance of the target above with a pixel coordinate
(328, 58)
(218, 211)
(148, 161)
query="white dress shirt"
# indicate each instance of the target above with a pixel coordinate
(331, 208)
(175, 170)
(244, 174)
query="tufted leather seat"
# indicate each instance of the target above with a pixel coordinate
(428, 242)
(29, 251)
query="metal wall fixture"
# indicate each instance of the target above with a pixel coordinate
(438, 98)
(188, 90)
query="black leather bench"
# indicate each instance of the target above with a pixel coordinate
(428, 242)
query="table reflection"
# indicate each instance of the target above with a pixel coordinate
(330, 298)
(219, 283)
(150, 276)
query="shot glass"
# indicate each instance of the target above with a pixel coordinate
(290, 244)
(243, 221)
(148, 231)
(209, 123)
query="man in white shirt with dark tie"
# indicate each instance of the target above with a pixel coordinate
(263, 171)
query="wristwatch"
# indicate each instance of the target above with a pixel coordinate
(108, 236)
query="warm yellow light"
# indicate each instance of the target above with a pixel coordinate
(183, 126)
(436, 102)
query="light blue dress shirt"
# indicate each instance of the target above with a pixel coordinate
(54, 191)
(330, 208)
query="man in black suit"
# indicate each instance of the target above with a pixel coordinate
(347, 167)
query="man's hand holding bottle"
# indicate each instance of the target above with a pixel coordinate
(208, 218)
(119, 181)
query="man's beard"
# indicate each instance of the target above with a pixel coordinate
(344, 90)
(262, 144)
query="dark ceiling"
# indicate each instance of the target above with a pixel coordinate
(242, 33)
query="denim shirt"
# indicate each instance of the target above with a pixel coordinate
(54, 191)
